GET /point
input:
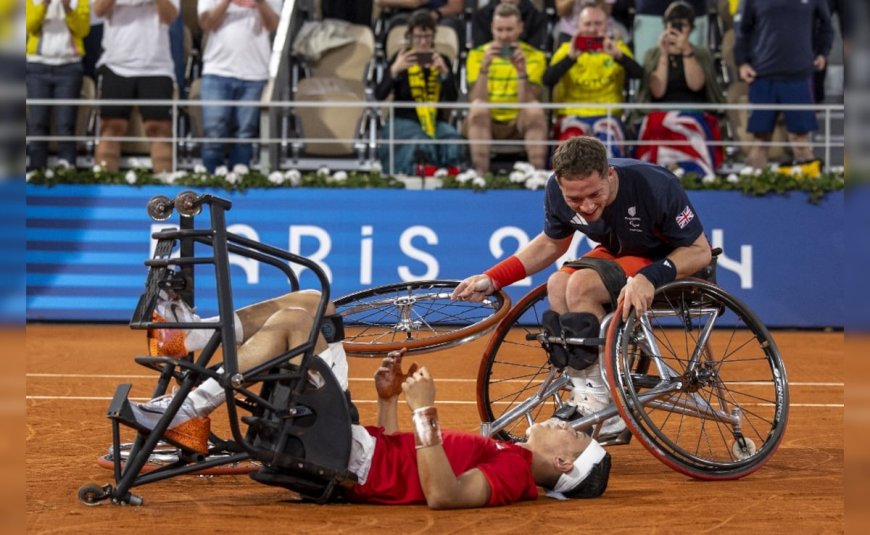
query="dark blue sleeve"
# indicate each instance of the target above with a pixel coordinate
(823, 37)
(554, 203)
(743, 32)
(680, 224)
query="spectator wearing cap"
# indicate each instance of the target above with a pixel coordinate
(591, 68)
(676, 71)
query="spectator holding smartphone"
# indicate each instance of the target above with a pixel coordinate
(678, 71)
(591, 68)
(419, 74)
(506, 71)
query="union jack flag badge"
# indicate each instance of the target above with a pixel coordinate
(685, 217)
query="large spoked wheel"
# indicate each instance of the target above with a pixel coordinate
(713, 403)
(513, 368)
(419, 316)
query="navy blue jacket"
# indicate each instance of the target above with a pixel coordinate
(776, 37)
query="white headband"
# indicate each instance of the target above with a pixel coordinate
(584, 464)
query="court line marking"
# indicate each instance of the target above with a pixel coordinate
(440, 380)
(371, 401)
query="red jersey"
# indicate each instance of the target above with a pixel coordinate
(394, 479)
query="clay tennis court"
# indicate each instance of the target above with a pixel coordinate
(72, 371)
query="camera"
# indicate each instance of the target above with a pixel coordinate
(423, 58)
(507, 51)
(586, 43)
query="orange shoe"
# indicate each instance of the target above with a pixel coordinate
(165, 342)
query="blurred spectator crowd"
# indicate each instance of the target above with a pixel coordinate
(502, 60)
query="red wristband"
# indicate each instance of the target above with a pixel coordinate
(506, 272)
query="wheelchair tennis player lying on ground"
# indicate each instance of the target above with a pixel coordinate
(445, 470)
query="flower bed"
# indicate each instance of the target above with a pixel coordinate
(754, 182)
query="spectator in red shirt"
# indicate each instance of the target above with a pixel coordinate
(443, 470)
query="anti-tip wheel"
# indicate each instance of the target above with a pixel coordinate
(187, 205)
(160, 208)
(92, 494)
(743, 452)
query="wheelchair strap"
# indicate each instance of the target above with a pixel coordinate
(609, 271)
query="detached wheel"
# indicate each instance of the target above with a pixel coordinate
(92, 494)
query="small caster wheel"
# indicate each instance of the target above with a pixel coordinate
(745, 451)
(187, 204)
(160, 208)
(92, 494)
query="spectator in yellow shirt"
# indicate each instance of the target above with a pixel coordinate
(591, 69)
(506, 71)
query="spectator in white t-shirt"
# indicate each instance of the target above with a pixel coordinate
(235, 67)
(136, 64)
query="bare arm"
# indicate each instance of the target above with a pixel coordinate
(166, 11)
(694, 73)
(480, 88)
(639, 291)
(102, 8)
(658, 78)
(270, 18)
(538, 254)
(443, 489)
(212, 18)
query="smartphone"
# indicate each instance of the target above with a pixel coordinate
(586, 43)
(677, 25)
(423, 58)
(507, 51)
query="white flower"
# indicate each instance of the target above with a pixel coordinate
(543, 175)
(130, 177)
(462, 178)
(49, 174)
(338, 176)
(241, 169)
(747, 170)
(524, 167)
(757, 171)
(518, 177)
(294, 177)
(63, 164)
(478, 182)
(232, 178)
(679, 171)
(29, 175)
(276, 177)
(136, 163)
(796, 170)
(441, 172)
(838, 169)
(221, 170)
(199, 169)
(708, 179)
(535, 182)
(732, 178)
(323, 171)
(377, 168)
(98, 168)
(172, 177)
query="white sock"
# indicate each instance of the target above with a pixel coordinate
(208, 396)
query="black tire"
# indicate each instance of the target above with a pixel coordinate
(419, 316)
(512, 368)
(739, 369)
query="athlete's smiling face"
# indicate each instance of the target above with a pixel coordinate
(590, 195)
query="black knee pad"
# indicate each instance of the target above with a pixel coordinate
(557, 353)
(581, 325)
(332, 328)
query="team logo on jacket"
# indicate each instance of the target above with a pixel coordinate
(685, 217)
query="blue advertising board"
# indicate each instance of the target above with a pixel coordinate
(86, 245)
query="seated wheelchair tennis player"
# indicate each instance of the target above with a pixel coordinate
(442, 469)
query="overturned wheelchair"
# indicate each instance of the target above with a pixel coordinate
(298, 417)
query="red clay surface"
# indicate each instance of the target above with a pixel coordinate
(72, 371)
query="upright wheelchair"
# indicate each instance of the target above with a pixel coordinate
(298, 419)
(697, 379)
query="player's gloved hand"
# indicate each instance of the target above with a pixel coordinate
(474, 288)
(637, 293)
(389, 377)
